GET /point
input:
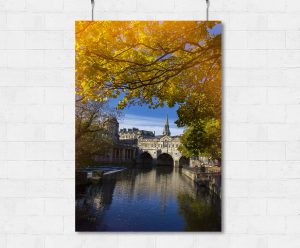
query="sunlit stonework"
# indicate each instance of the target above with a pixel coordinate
(142, 146)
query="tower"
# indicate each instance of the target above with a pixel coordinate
(166, 130)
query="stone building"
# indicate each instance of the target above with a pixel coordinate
(161, 149)
(120, 152)
(144, 147)
(131, 135)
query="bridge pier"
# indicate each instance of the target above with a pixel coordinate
(161, 157)
(154, 161)
(176, 163)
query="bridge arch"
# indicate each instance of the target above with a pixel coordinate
(184, 161)
(165, 159)
(145, 158)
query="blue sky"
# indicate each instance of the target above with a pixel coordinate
(217, 29)
(149, 119)
(153, 119)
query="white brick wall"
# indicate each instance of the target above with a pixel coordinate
(261, 54)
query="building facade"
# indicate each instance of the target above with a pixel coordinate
(163, 149)
(144, 147)
(131, 135)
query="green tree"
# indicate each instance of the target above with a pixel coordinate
(93, 130)
(201, 115)
(202, 138)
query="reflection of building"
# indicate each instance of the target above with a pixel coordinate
(143, 146)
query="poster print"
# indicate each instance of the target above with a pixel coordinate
(148, 126)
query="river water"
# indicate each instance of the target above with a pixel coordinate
(154, 199)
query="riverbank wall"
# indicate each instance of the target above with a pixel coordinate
(96, 174)
(209, 180)
(189, 173)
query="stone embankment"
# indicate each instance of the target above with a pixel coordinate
(211, 179)
(95, 174)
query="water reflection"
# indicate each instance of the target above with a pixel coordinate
(158, 199)
(199, 215)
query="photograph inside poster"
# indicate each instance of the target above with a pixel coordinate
(148, 126)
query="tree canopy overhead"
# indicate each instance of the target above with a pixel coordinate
(173, 57)
(156, 63)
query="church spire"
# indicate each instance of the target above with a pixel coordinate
(166, 130)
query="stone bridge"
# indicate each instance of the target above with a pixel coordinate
(160, 150)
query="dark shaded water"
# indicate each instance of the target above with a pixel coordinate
(156, 199)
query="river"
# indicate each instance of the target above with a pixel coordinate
(153, 199)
